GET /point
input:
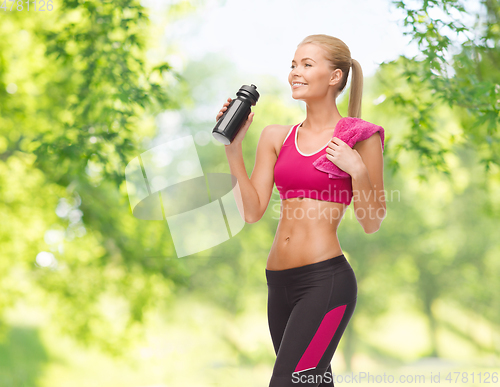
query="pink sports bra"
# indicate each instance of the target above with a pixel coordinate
(295, 176)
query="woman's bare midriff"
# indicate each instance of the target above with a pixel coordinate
(306, 233)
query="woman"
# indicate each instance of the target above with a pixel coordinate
(312, 289)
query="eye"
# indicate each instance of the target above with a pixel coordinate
(292, 66)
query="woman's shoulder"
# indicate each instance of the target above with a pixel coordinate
(277, 133)
(355, 125)
(354, 130)
(357, 122)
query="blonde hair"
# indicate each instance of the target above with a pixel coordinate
(339, 56)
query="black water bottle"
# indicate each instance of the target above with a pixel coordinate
(237, 112)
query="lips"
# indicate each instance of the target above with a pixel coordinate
(298, 84)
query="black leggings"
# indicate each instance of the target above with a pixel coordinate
(308, 310)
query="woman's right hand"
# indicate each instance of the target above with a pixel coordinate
(244, 127)
(224, 108)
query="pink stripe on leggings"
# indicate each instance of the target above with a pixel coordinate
(321, 339)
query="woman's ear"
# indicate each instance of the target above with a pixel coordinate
(336, 77)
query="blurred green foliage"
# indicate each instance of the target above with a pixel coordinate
(84, 101)
(458, 65)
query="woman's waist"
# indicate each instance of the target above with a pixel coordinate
(295, 248)
(304, 216)
(305, 228)
(312, 272)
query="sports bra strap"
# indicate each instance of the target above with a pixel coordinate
(290, 131)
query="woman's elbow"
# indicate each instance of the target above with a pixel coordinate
(374, 226)
(371, 230)
(253, 219)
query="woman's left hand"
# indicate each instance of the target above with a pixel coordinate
(343, 156)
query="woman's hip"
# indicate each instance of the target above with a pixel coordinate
(310, 274)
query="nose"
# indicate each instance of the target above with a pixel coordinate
(294, 75)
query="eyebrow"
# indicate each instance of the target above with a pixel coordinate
(305, 59)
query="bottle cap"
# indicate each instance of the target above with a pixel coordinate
(251, 92)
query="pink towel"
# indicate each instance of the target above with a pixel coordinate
(350, 130)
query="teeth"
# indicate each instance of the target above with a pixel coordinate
(299, 84)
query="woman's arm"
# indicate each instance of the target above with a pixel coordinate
(368, 184)
(253, 195)
(245, 194)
